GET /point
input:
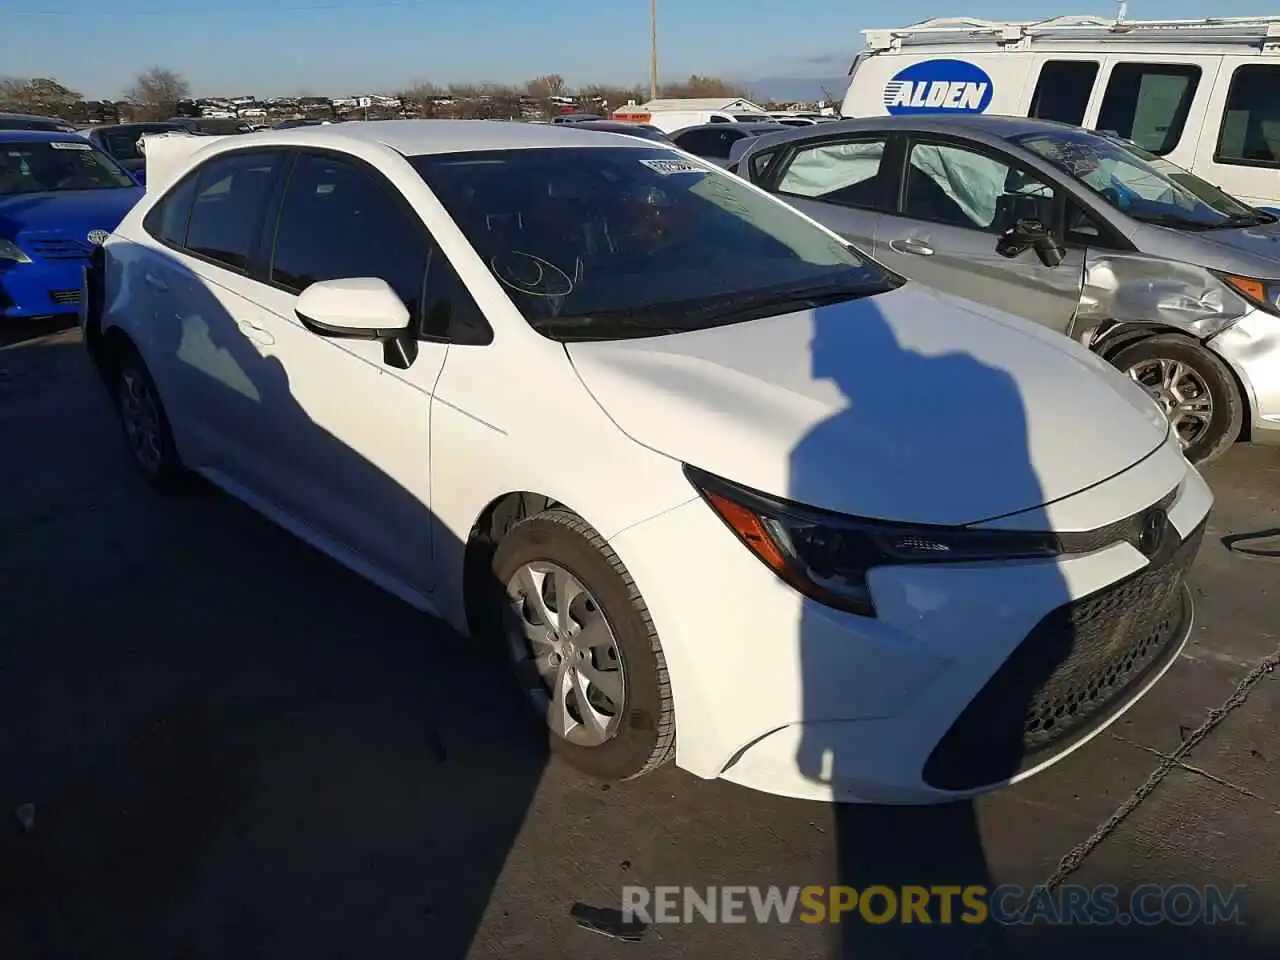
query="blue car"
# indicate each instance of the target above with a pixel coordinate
(59, 196)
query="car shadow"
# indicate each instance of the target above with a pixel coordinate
(939, 704)
(301, 767)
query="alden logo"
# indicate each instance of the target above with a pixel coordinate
(938, 86)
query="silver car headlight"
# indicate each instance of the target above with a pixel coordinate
(1263, 294)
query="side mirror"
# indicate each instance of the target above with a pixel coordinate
(360, 308)
(1027, 215)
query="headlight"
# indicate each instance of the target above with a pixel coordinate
(11, 251)
(826, 556)
(1263, 294)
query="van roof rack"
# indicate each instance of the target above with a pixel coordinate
(1253, 31)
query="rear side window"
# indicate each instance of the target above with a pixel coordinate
(1250, 134)
(1148, 103)
(167, 220)
(1063, 90)
(230, 197)
(845, 173)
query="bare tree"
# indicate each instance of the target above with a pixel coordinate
(155, 93)
(421, 96)
(546, 87)
(697, 86)
(40, 96)
(610, 97)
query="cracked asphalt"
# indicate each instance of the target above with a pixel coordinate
(233, 747)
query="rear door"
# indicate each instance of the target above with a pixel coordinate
(844, 182)
(956, 199)
(205, 341)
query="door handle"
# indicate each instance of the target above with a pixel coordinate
(255, 333)
(913, 246)
(155, 283)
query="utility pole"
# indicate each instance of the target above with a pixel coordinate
(653, 49)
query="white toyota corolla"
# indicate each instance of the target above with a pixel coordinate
(726, 489)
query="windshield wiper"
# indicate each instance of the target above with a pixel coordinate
(1172, 220)
(1254, 219)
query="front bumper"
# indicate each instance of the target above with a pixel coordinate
(786, 696)
(43, 288)
(1251, 346)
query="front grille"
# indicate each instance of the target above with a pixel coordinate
(1078, 665)
(61, 249)
(64, 298)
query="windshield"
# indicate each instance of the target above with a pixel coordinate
(1140, 184)
(610, 242)
(39, 167)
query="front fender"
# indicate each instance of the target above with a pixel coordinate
(1138, 289)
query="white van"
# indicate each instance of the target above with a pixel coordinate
(1205, 94)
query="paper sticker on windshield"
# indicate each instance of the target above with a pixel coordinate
(69, 145)
(668, 167)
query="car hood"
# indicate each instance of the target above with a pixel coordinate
(1252, 251)
(911, 405)
(67, 214)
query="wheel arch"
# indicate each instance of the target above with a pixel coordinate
(498, 516)
(1107, 340)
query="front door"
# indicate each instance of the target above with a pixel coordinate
(354, 442)
(957, 200)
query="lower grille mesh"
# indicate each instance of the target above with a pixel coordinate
(1081, 661)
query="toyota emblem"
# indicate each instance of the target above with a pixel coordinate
(98, 237)
(1152, 536)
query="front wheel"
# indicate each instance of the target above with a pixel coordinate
(1194, 388)
(585, 651)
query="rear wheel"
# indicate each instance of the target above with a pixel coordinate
(585, 652)
(1194, 388)
(144, 422)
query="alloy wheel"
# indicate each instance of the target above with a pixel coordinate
(1181, 393)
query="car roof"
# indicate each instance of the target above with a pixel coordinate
(140, 125)
(416, 137)
(40, 136)
(991, 125)
(29, 116)
(751, 125)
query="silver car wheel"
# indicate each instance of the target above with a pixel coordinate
(565, 653)
(1181, 393)
(140, 416)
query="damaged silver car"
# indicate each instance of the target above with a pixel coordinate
(1156, 270)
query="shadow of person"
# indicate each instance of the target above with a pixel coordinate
(926, 436)
(305, 767)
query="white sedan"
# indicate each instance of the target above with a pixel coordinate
(724, 488)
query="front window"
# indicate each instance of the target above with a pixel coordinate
(1140, 184)
(49, 166)
(606, 242)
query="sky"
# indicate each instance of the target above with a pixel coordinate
(337, 47)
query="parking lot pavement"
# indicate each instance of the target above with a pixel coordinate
(233, 747)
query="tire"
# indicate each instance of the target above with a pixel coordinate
(642, 729)
(1208, 375)
(137, 401)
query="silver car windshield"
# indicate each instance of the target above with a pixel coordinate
(1140, 184)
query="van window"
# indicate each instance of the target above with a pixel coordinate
(1148, 103)
(1063, 90)
(1250, 134)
